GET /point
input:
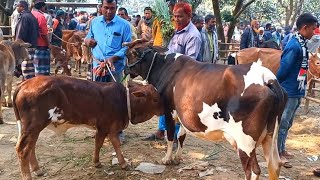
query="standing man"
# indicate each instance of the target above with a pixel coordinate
(198, 21)
(144, 28)
(186, 40)
(277, 36)
(249, 37)
(210, 50)
(123, 13)
(292, 76)
(57, 28)
(105, 36)
(14, 22)
(27, 30)
(267, 32)
(42, 54)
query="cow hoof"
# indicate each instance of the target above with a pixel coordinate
(1, 121)
(38, 172)
(4, 104)
(166, 161)
(125, 166)
(9, 104)
(98, 165)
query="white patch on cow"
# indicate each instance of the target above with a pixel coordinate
(181, 132)
(254, 176)
(19, 129)
(318, 54)
(257, 75)
(168, 158)
(53, 115)
(69, 67)
(234, 129)
(177, 55)
(233, 55)
(174, 89)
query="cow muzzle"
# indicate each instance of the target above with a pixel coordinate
(128, 71)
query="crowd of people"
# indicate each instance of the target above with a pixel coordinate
(194, 35)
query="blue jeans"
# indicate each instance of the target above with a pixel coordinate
(162, 126)
(286, 122)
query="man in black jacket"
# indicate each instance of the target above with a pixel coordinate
(249, 37)
(27, 30)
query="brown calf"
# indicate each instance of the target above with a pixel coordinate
(60, 58)
(103, 106)
(11, 54)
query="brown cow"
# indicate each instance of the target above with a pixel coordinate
(11, 54)
(60, 58)
(241, 104)
(314, 65)
(270, 59)
(103, 106)
(74, 48)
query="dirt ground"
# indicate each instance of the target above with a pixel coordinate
(69, 157)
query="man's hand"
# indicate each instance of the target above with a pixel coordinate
(91, 42)
(109, 62)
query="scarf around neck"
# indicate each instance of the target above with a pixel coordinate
(302, 76)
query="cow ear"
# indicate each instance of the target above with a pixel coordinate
(159, 49)
(26, 45)
(138, 94)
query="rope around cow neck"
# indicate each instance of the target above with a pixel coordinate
(128, 103)
(63, 40)
(313, 76)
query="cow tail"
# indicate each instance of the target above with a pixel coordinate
(280, 102)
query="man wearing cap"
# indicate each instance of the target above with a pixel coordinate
(57, 28)
(42, 54)
(27, 29)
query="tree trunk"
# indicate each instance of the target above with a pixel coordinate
(216, 10)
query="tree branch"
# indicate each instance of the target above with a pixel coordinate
(6, 11)
(243, 8)
(282, 4)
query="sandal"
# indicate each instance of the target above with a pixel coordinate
(153, 137)
(316, 172)
(285, 162)
(287, 165)
(287, 155)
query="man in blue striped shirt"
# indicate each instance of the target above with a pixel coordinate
(105, 36)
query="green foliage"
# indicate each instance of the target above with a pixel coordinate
(161, 12)
(313, 7)
(226, 15)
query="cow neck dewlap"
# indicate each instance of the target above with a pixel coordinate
(257, 75)
(216, 123)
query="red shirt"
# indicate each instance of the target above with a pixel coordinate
(43, 29)
(317, 31)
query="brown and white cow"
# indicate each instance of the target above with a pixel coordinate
(61, 60)
(54, 101)
(241, 103)
(11, 54)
